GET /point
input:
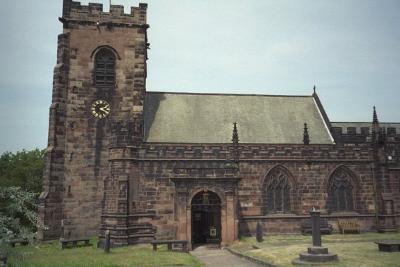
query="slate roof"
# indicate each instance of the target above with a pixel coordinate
(208, 118)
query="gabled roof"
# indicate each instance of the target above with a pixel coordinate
(209, 118)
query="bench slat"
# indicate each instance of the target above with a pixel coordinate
(169, 244)
(168, 241)
(352, 226)
(74, 242)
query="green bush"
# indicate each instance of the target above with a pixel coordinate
(18, 213)
(20, 184)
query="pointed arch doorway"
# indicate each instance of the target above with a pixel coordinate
(222, 206)
(206, 218)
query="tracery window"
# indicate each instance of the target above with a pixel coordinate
(105, 68)
(340, 192)
(277, 192)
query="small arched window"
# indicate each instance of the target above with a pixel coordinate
(277, 192)
(340, 192)
(105, 68)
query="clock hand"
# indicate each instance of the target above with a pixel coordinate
(104, 109)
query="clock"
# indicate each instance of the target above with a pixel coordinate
(100, 109)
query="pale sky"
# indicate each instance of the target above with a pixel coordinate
(349, 49)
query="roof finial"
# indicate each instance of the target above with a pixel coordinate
(235, 135)
(306, 137)
(314, 89)
(374, 117)
(235, 143)
(376, 132)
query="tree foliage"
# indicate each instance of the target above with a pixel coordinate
(20, 184)
(18, 212)
(23, 169)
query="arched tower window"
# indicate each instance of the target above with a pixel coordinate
(277, 191)
(340, 191)
(105, 68)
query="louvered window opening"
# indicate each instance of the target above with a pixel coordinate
(105, 68)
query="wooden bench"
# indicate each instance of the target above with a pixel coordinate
(22, 242)
(388, 245)
(348, 226)
(325, 227)
(170, 243)
(74, 242)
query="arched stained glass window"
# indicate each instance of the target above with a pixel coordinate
(105, 68)
(340, 192)
(277, 192)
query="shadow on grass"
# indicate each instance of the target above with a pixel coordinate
(353, 250)
(51, 255)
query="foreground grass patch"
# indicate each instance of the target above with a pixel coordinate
(353, 250)
(50, 255)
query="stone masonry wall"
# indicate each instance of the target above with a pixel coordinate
(311, 172)
(50, 201)
(85, 140)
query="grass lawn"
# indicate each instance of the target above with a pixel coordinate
(353, 250)
(51, 255)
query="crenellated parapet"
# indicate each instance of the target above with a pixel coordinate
(361, 132)
(93, 14)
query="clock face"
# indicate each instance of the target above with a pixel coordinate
(100, 109)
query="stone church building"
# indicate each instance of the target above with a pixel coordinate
(199, 167)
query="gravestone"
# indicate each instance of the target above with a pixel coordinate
(259, 232)
(107, 242)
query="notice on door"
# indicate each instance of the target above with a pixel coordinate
(213, 232)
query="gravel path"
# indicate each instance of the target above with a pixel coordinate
(213, 257)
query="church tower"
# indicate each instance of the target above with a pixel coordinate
(96, 121)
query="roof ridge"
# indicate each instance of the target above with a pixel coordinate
(223, 94)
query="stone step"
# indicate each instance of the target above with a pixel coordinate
(317, 250)
(318, 257)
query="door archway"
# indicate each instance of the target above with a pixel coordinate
(206, 218)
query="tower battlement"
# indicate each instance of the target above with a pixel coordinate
(93, 13)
